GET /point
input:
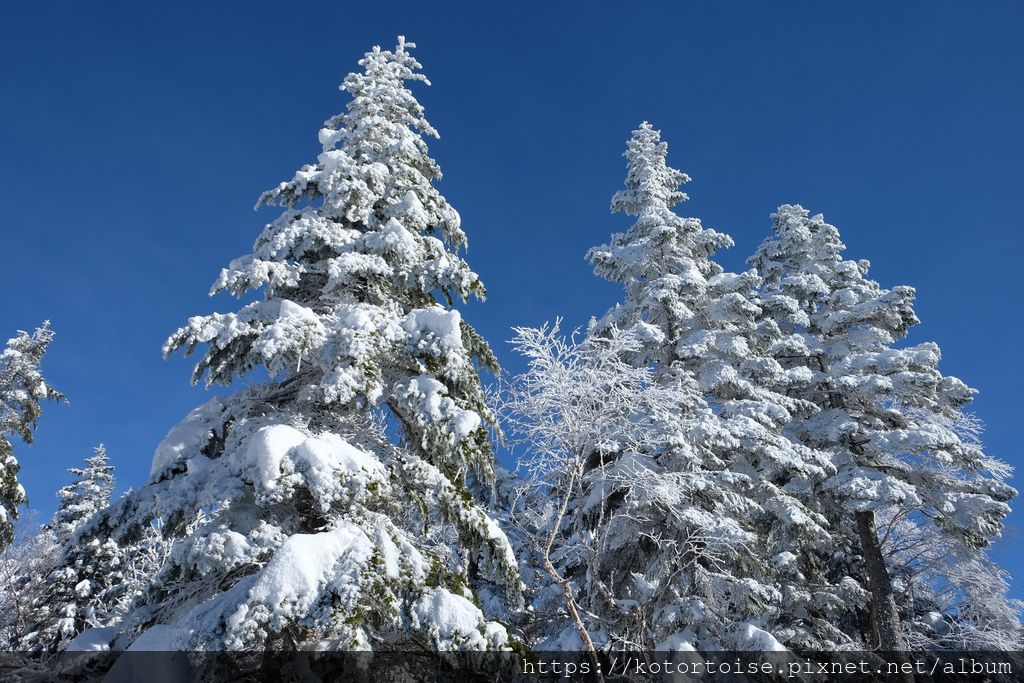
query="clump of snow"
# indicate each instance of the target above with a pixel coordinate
(216, 551)
(93, 640)
(303, 567)
(279, 456)
(308, 577)
(935, 622)
(160, 638)
(428, 399)
(678, 642)
(328, 464)
(411, 209)
(783, 559)
(293, 330)
(435, 331)
(453, 622)
(752, 638)
(266, 450)
(188, 436)
(867, 489)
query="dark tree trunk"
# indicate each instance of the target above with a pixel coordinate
(885, 620)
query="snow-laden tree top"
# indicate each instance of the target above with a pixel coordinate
(660, 244)
(651, 184)
(90, 492)
(352, 272)
(375, 153)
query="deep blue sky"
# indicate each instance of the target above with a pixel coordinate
(136, 137)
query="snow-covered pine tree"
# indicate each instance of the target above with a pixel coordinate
(90, 492)
(892, 422)
(323, 526)
(699, 327)
(21, 389)
(71, 597)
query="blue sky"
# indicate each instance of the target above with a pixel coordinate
(136, 137)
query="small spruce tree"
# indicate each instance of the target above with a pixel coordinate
(73, 597)
(90, 492)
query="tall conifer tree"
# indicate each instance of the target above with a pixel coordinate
(893, 424)
(323, 526)
(735, 562)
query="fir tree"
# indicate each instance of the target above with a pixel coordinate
(698, 320)
(890, 420)
(90, 492)
(21, 389)
(73, 597)
(732, 495)
(322, 527)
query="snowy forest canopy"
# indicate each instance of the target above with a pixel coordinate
(739, 461)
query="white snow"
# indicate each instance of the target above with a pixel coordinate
(160, 638)
(428, 399)
(678, 642)
(93, 640)
(752, 638)
(266, 450)
(435, 331)
(291, 582)
(453, 621)
(187, 436)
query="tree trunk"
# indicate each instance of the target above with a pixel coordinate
(570, 599)
(885, 620)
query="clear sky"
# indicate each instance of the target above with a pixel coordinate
(135, 138)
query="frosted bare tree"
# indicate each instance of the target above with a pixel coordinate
(620, 532)
(24, 566)
(571, 402)
(950, 595)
